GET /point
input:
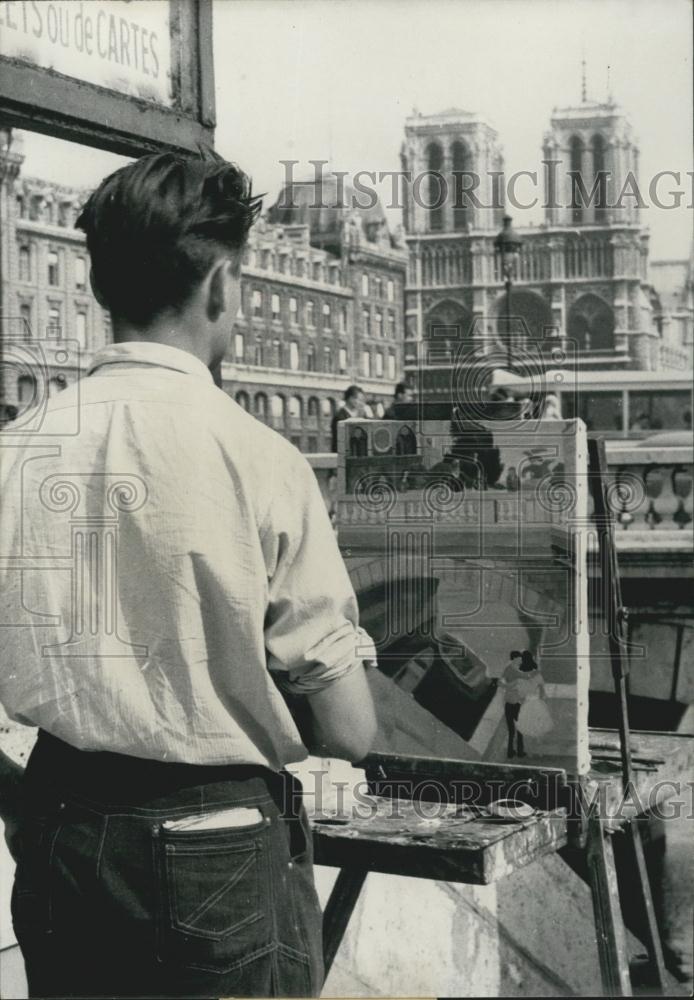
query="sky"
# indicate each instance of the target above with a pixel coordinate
(335, 80)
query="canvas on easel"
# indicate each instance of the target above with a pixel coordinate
(465, 542)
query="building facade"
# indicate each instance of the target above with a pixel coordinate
(582, 287)
(314, 318)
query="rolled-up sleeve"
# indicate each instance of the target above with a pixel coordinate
(312, 633)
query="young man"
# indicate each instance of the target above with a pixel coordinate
(168, 567)
(402, 394)
(354, 405)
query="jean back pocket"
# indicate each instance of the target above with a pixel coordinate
(214, 899)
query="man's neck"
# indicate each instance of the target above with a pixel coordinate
(169, 333)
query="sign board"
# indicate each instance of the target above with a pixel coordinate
(466, 544)
(131, 76)
(117, 44)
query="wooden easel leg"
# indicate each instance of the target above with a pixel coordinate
(338, 910)
(652, 942)
(609, 925)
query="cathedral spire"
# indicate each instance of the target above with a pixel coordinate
(584, 89)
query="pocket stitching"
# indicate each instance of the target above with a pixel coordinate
(188, 923)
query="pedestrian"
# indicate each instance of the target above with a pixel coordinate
(401, 396)
(551, 408)
(353, 406)
(161, 845)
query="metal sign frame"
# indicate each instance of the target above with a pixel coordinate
(42, 100)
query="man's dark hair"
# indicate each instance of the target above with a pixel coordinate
(155, 228)
(528, 661)
(351, 392)
(401, 388)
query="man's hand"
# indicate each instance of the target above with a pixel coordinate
(11, 800)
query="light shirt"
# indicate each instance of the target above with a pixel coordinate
(520, 684)
(163, 557)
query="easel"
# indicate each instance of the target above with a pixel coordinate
(600, 854)
(470, 850)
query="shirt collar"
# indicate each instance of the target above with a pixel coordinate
(146, 352)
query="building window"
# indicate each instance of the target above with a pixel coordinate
(293, 308)
(25, 316)
(310, 313)
(391, 324)
(275, 306)
(52, 268)
(327, 358)
(257, 302)
(366, 322)
(238, 347)
(26, 390)
(242, 399)
(24, 264)
(379, 323)
(293, 355)
(391, 291)
(576, 149)
(81, 328)
(313, 407)
(343, 319)
(317, 271)
(327, 321)
(313, 444)
(600, 176)
(366, 364)
(277, 408)
(364, 284)
(379, 364)
(295, 407)
(391, 367)
(310, 358)
(343, 360)
(276, 353)
(378, 288)
(258, 353)
(260, 405)
(462, 203)
(54, 319)
(80, 273)
(21, 207)
(435, 197)
(327, 408)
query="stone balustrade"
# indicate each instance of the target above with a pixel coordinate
(649, 490)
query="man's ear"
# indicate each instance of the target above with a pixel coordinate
(218, 289)
(95, 289)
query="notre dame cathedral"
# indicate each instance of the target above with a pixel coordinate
(581, 284)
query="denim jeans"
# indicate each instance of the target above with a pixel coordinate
(108, 901)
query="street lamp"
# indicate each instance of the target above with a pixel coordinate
(508, 246)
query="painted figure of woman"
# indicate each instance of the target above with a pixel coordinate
(524, 686)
